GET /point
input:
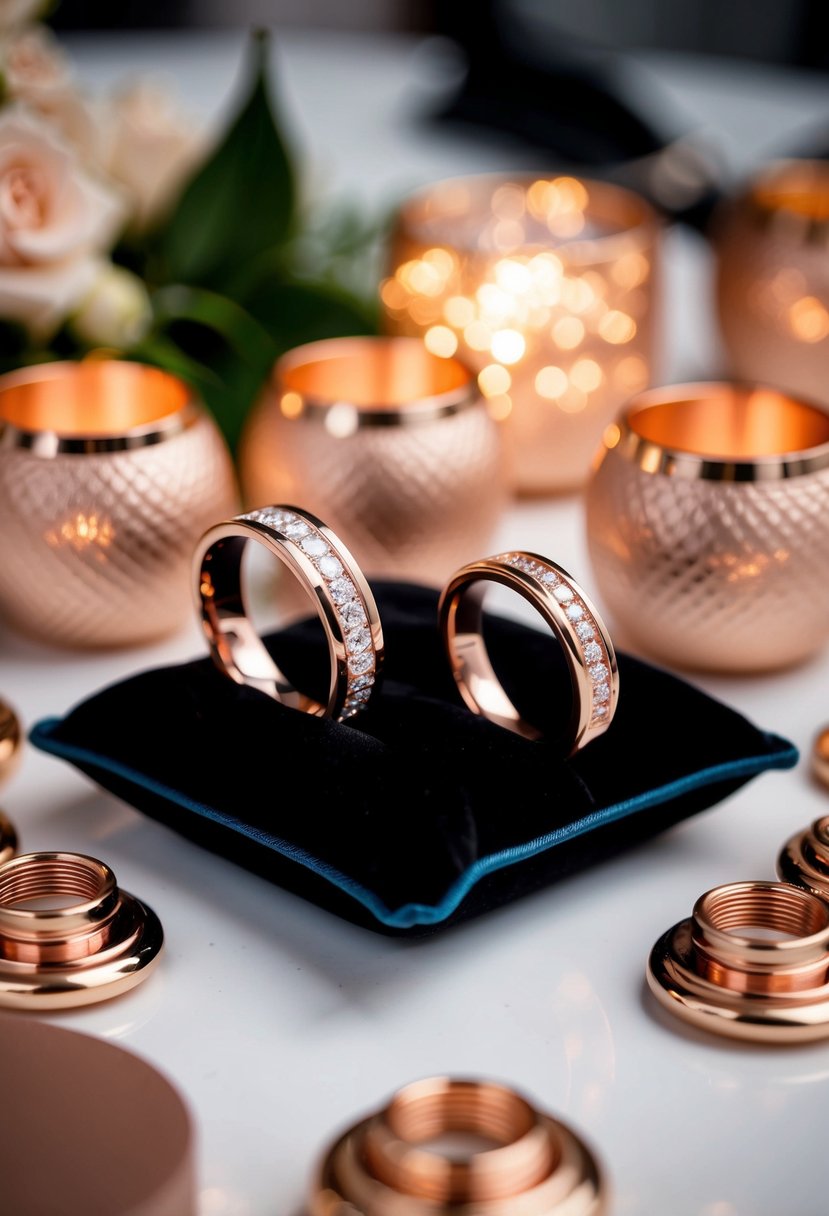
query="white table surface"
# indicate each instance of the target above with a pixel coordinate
(280, 1022)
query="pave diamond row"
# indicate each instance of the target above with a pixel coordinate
(585, 627)
(348, 601)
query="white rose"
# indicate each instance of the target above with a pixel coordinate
(55, 219)
(34, 64)
(153, 150)
(116, 311)
(36, 71)
(18, 12)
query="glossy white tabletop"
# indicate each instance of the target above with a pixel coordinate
(280, 1022)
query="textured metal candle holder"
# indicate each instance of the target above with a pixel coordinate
(109, 472)
(547, 287)
(526, 1162)
(392, 446)
(708, 526)
(772, 246)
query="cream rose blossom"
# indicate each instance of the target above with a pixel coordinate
(36, 72)
(14, 13)
(153, 149)
(55, 222)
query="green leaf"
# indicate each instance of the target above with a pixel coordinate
(293, 313)
(217, 346)
(161, 352)
(241, 201)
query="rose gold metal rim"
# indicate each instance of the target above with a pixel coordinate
(11, 741)
(384, 1166)
(635, 221)
(68, 935)
(332, 580)
(767, 986)
(8, 839)
(49, 441)
(312, 406)
(654, 457)
(570, 615)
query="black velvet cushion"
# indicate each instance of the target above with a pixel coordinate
(421, 814)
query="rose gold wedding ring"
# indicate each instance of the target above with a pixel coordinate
(392, 1163)
(334, 583)
(68, 935)
(586, 644)
(804, 859)
(751, 962)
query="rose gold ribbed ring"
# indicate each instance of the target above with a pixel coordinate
(804, 859)
(333, 582)
(588, 650)
(752, 962)
(495, 1153)
(68, 935)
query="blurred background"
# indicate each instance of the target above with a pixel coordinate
(749, 29)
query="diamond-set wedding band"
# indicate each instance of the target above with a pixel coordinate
(336, 586)
(588, 650)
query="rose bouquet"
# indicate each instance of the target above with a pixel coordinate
(124, 231)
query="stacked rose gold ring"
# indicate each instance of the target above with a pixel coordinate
(588, 650)
(333, 581)
(391, 1163)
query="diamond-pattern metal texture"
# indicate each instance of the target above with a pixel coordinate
(95, 550)
(724, 576)
(412, 500)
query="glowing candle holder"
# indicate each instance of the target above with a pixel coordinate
(544, 286)
(772, 242)
(109, 472)
(392, 446)
(708, 526)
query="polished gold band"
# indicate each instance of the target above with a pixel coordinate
(97, 942)
(717, 972)
(385, 1166)
(588, 650)
(336, 586)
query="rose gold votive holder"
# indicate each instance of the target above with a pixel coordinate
(772, 245)
(445, 1146)
(109, 472)
(546, 287)
(708, 526)
(391, 445)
